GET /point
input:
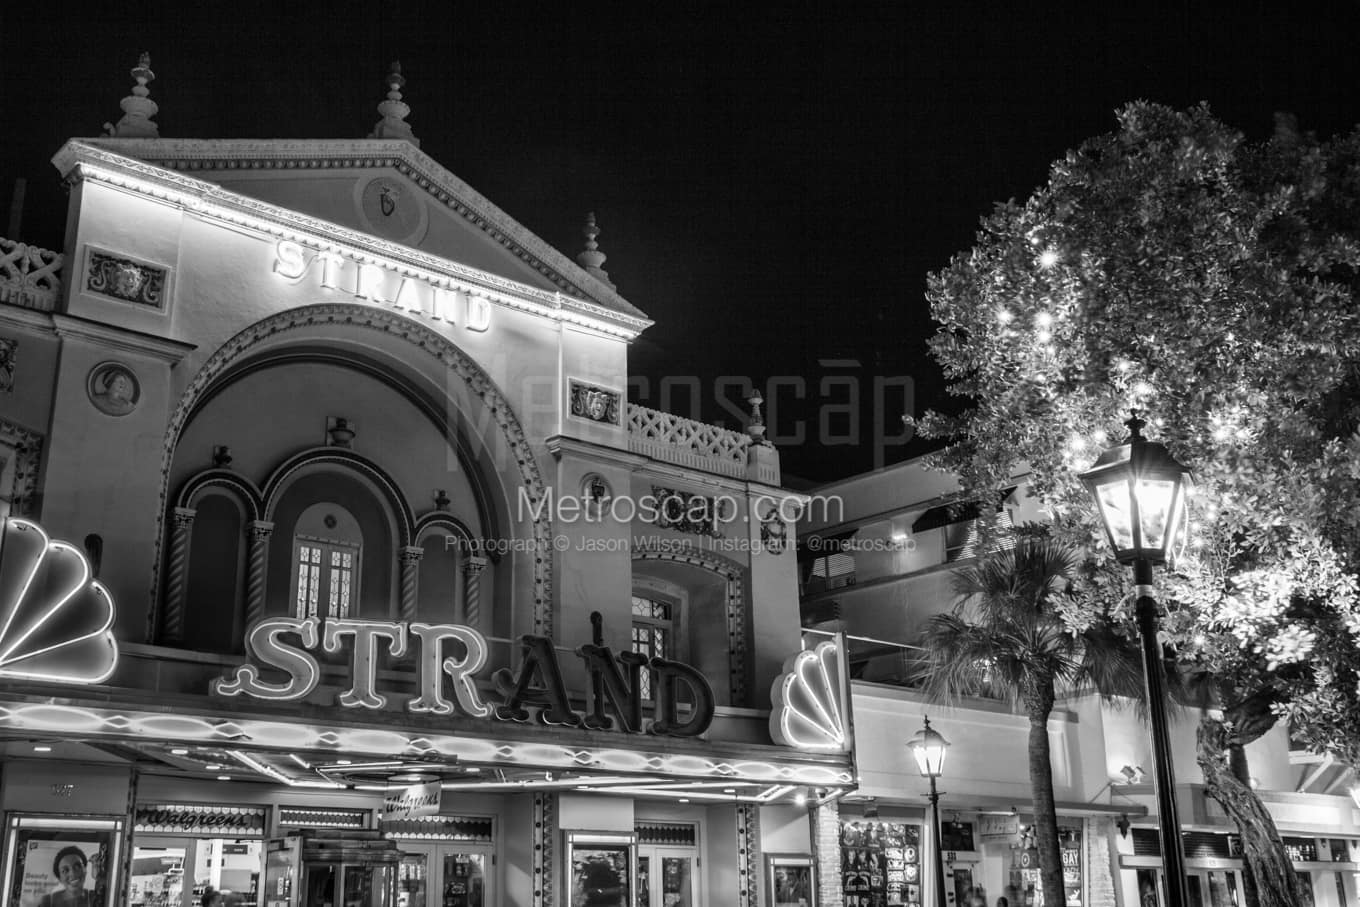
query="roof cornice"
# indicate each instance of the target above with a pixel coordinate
(122, 162)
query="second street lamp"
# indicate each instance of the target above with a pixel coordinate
(929, 746)
(1140, 491)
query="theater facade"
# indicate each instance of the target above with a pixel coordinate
(338, 568)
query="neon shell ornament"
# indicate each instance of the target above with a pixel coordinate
(808, 710)
(54, 619)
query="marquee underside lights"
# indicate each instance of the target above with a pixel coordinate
(808, 710)
(156, 727)
(55, 619)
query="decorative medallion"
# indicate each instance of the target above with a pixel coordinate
(113, 389)
(122, 278)
(393, 209)
(686, 512)
(773, 530)
(55, 618)
(597, 404)
(807, 707)
(8, 351)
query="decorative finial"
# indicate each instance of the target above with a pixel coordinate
(756, 427)
(138, 109)
(592, 257)
(441, 500)
(394, 111)
(1135, 426)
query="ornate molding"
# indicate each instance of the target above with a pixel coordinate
(322, 318)
(545, 838)
(23, 487)
(598, 404)
(29, 275)
(682, 511)
(93, 159)
(126, 279)
(9, 357)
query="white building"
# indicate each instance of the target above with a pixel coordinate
(876, 555)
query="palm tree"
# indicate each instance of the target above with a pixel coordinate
(1006, 638)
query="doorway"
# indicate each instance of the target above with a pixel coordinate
(1214, 887)
(446, 874)
(667, 876)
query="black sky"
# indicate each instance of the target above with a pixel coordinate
(773, 182)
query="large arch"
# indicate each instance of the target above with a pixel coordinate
(309, 322)
(734, 575)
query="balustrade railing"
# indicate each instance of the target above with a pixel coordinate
(29, 276)
(684, 442)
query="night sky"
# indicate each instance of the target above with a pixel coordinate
(773, 183)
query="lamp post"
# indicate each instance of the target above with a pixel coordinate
(1139, 490)
(928, 746)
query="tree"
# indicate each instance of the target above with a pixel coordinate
(1173, 267)
(1006, 637)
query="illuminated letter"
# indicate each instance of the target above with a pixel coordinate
(365, 633)
(289, 260)
(607, 683)
(666, 720)
(369, 282)
(263, 645)
(478, 313)
(443, 304)
(432, 662)
(330, 270)
(409, 295)
(550, 695)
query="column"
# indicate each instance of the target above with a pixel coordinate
(410, 576)
(472, 591)
(176, 573)
(826, 853)
(257, 564)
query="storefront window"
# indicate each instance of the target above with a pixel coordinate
(880, 864)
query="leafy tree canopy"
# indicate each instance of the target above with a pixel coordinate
(1173, 267)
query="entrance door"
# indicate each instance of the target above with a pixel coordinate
(667, 877)
(446, 875)
(1214, 887)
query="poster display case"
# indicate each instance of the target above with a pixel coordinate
(62, 861)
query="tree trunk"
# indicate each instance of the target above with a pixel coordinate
(1039, 705)
(1264, 853)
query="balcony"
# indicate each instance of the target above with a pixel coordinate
(29, 276)
(699, 446)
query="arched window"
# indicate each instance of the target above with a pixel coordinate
(212, 594)
(327, 554)
(657, 625)
(440, 585)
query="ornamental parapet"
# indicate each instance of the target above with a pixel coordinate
(29, 276)
(698, 445)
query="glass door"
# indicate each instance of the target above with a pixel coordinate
(157, 875)
(667, 877)
(1214, 888)
(466, 876)
(412, 879)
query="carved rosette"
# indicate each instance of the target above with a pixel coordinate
(598, 404)
(125, 279)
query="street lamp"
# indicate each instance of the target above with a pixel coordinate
(1140, 489)
(929, 746)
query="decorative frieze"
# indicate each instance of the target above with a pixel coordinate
(9, 349)
(126, 279)
(113, 388)
(597, 404)
(685, 512)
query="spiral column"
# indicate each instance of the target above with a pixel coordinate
(472, 591)
(257, 565)
(410, 574)
(176, 573)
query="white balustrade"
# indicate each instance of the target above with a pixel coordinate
(29, 275)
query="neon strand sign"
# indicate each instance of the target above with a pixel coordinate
(535, 691)
(378, 285)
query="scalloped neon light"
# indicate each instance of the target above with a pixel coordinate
(808, 711)
(54, 619)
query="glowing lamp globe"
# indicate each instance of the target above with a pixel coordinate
(1140, 490)
(929, 746)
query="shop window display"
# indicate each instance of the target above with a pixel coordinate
(881, 864)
